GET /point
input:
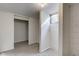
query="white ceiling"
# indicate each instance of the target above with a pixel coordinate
(26, 9)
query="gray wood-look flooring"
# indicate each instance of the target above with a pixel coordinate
(23, 49)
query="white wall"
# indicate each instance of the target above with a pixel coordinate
(60, 44)
(45, 40)
(54, 31)
(20, 30)
(33, 31)
(6, 31)
(45, 31)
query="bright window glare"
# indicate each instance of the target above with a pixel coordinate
(54, 18)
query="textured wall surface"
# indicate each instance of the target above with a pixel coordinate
(71, 29)
(74, 29)
(66, 29)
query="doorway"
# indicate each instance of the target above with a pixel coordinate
(20, 32)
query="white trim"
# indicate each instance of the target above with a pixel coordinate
(21, 17)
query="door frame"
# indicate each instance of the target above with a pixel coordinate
(24, 19)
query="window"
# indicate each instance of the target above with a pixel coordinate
(54, 18)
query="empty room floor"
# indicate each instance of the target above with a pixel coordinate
(23, 49)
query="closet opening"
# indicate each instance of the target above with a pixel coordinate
(20, 33)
